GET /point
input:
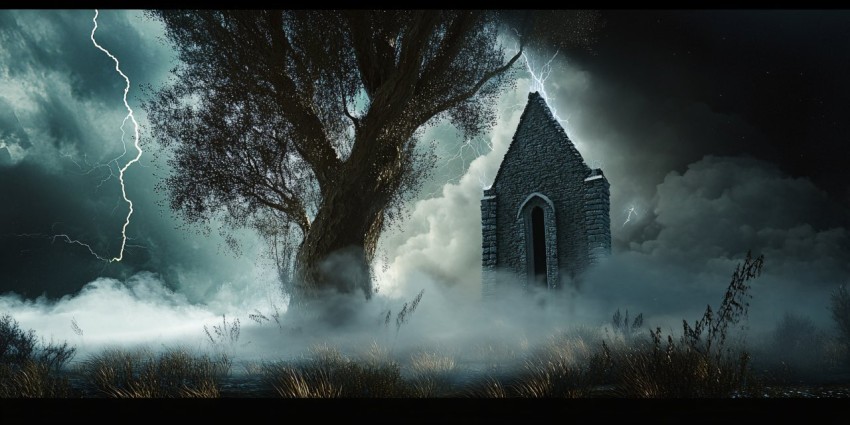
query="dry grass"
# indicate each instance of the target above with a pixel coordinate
(377, 354)
(674, 370)
(702, 362)
(140, 373)
(327, 373)
(431, 362)
(490, 387)
(294, 382)
(565, 367)
(433, 374)
(32, 379)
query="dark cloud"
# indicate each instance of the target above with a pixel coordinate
(5, 157)
(11, 131)
(39, 43)
(725, 206)
(60, 127)
(42, 205)
(703, 223)
(773, 71)
(13, 138)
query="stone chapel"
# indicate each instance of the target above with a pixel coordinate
(546, 218)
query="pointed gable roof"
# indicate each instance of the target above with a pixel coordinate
(536, 110)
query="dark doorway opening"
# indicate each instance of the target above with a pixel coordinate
(538, 238)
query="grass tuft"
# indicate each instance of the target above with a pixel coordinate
(140, 373)
(327, 373)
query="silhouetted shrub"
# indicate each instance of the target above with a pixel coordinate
(840, 309)
(29, 367)
(797, 349)
(699, 364)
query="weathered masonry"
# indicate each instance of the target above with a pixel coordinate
(546, 217)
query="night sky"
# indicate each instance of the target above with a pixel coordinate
(725, 131)
(776, 75)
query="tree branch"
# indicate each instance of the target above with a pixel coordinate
(315, 147)
(354, 120)
(450, 46)
(456, 100)
(291, 207)
(371, 70)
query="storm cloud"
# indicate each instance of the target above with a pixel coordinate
(61, 114)
(680, 254)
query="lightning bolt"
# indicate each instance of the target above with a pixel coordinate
(629, 217)
(538, 78)
(538, 84)
(135, 159)
(466, 148)
(92, 168)
(67, 239)
(538, 81)
(121, 169)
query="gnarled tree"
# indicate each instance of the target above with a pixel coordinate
(304, 124)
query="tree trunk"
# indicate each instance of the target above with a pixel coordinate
(337, 251)
(335, 257)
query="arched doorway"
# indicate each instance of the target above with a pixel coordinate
(536, 224)
(538, 247)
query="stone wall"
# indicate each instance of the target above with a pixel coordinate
(597, 221)
(543, 167)
(488, 243)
